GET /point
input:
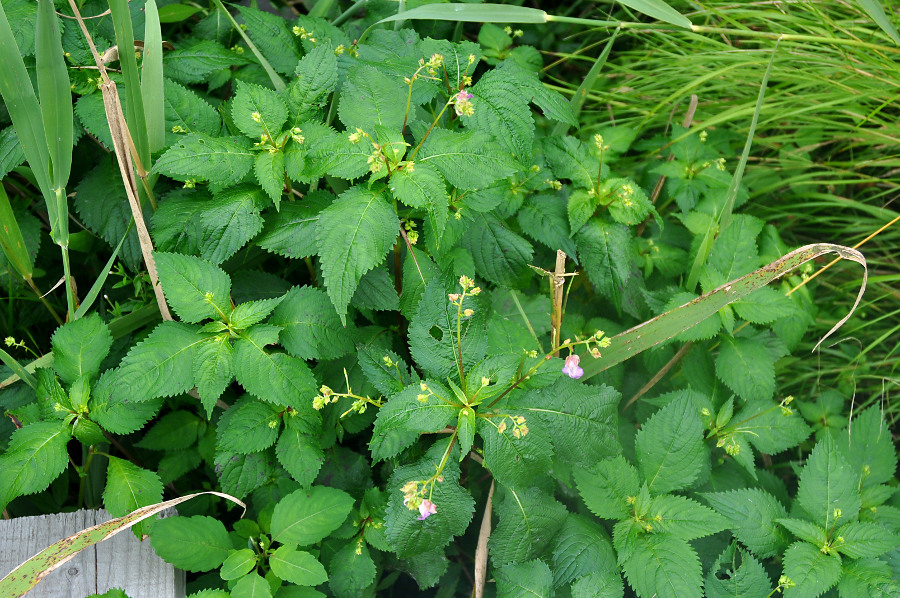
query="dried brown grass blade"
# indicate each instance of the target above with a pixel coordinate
(481, 551)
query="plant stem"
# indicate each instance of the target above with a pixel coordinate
(44, 301)
(345, 16)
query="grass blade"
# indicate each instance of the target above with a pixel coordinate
(11, 241)
(577, 101)
(724, 217)
(472, 13)
(673, 322)
(658, 10)
(277, 83)
(134, 101)
(873, 9)
(101, 280)
(17, 368)
(152, 79)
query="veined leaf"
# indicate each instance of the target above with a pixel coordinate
(752, 514)
(670, 449)
(404, 417)
(531, 579)
(528, 522)
(812, 571)
(469, 160)
(306, 517)
(159, 366)
(316, 79)
(191, 543)
(35, 457)
(128, 488)
(220, 160)
(80, 347)
(663, 566)
(274, 377)
(828, 488)
(580, 548)
(195, 289)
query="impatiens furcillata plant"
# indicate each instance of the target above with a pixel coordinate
(403, 297)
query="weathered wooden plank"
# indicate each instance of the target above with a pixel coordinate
(120, 562)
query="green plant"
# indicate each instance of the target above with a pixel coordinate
(367, 352)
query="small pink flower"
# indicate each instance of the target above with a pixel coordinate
(571, 368)
(426, 509)
(464, 96)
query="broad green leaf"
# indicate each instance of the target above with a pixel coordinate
(272, 37)
(297, 567)
(116, 412)
(274, 377)
(867, 578)
(195, 288)
(175, 222)
(745, 366)
(543, 218)
(528, 522)
(599, 584)
(805, 530)
(187, 110)
(269, 171)
(239, 563)
(764, 306)
(812, 571)
(868, 447)
(376, 291)
(828, 486)
(247, 427)
(350, 573)
(500, 255)
(316, 79)
(371, 97)
(251, 585)
(581, 419)
(604, 249)
(128, 488)
(354, 234)
(176, 430)
(300, 454)
(580, 548)
(865, 540)
(406, 533)
(670, 449)
(607, 486)
(310, 327)
(514, 462)
(291, 232)
(242, 474)
(423, 187)
(159, 366)
(570, 159)
(307, 516)
(249, 313)
(502, 110)
(684, 518)
(195, 63)
(531, 579)
(752, 514)
(768, 429)
(79, 347)
(743, 576)
(658, 9)
(220, 160)
(191, 543)
(229, 221)
(213, 369)
(36, 455)
(258, 111)
(469, 160)
(404, 417)
(663, 566)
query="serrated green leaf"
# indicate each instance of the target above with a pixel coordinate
(423, 187)
(514, 462)
(469, 160)
(240, 475)
(376, 291)
(746, 367)
(606, 487)
(272, 37)
(249, 313)
(258, 111)
(354, 234)
(300, 454)
(174, 465)
(102, 205)
(186, 109)
(502, 111)
(351, 573)
(752, 514)
(663, 566)
(291, 232)
(116, 411)
(528, 522)
(194, 64)
(600, 584)
(735, 252)
(79, 347)
(316, 79)
(251, 585)
(404, 417)
(370, 97)
(128, 488)
(812, 571)
(684, 518)
(867, 578)
(745, 578)
(827, 483)
(175, 223)
(604, 249)
(581, 419)
(868, 447)
(195, 289)
(213, 369)
(865, 540)
(499, 254)
(229, 221)
(249, 426)
(297, 566)
(310, 328)
(11, 154)
(406, 533)
(307, 516)
(176, 430)
(36, 455)
(239, 563)
(764, 306)
(432, 333)
(630, 203)
(269, 171)
(805, 530)
(274, 377)
(543, 218)
(580, 548)
(531, 579)
(570, 159)
(768, 429)
(223, 161)
(159, 366)
(670, 449)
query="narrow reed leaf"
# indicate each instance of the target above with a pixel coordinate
(134, 102)
(658, 10)
(724, 217)
(152, 80)
(472, 13)
(11, 241)
(18, 369)
(101, 280)
(873, 9)
(577, 101)
(277, 83)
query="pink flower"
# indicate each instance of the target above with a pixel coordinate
(463, 96)
(571, 368)
(426, 509)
